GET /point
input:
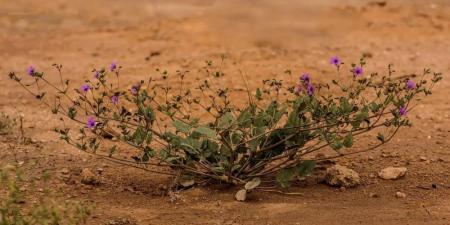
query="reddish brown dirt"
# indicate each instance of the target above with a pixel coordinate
(262, 38)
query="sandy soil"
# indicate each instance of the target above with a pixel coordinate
(262, 38)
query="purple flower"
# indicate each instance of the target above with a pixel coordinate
(115, 99)
(310, 89)
(84, 88)
(135, 89)
(31, 70)
(97, 74)
(411, 85)
(402, 111)
(357, 71)
(298, 89)
(113, 66)
(90, 123)
(335, 61)
(305, 78)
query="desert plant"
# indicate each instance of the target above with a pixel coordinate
(200, 133)
(15, 209)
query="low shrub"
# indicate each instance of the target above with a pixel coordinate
(203, 133)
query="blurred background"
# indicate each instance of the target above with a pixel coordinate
(263, 38)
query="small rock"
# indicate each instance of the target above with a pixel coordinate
(399, 194)
(342, 176)
(374, 195)
(423, 158)
(64, 171)
(392, 173)
(175, 197)
(99, 170)
(241, 195)
(187, 182)
(129, 188)
(440, 160)
(88, 177)
(120, 221)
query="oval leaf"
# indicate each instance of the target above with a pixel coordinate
(348, 140)
(225, 121)
(181, 126)
(206, 131)
(255, 182)
(285, 176)
(306, 167)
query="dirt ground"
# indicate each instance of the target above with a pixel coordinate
(261, 38)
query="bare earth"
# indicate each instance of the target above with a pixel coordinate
(261, 38)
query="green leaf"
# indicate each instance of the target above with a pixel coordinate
(258, 94)
(236, 136)
(167, 157)
(139, 136)
(274, 113)
(190, 145)
(360, 117)
(148, 153)
(262, 119)
(209, 148)
(172, 138)
(181, 126)
(255, 142)
(294, 119)
(149, 114)
(348, 140)
(306, 167)
(345, 106)
(244, 119)
(285, 176)
(206, 131)
(189, 148)
(225, 121)
(374, 107)
(336, 144)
